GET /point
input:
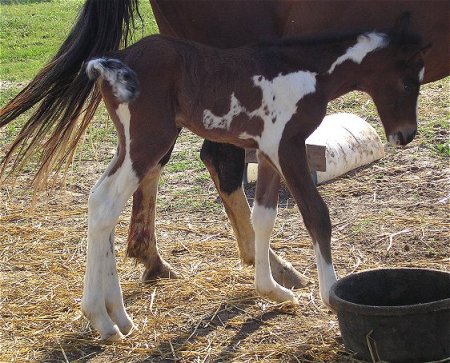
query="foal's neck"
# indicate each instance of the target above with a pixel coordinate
(337, 62)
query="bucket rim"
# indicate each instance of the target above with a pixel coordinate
(340, 305)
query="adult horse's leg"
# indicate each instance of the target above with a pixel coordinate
(263, 218)
(226, 165)
(312, 207)
(142, 242)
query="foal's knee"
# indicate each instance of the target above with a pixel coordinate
(263, 219)
(318, 222)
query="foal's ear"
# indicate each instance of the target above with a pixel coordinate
(402, 24)
(409, 43)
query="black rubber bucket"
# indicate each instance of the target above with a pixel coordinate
(395, 315)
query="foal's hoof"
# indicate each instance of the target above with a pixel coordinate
(113, 336)
(118, 334)
(161, 271)
(285, 274)
(278, 294)
(128, 328)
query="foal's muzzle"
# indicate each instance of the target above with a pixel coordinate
(402, 137)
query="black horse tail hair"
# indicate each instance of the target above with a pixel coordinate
(65, 99)
(122, 79)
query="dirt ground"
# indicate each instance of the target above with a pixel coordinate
(393, 213)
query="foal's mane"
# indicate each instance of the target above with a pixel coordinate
(402, 38)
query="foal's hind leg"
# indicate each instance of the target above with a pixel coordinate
(263, 218)
(294, 166)
(102, 301)
(142, 243)
(102, 297)
(225, 163)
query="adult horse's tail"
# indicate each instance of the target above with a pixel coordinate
(62, 91)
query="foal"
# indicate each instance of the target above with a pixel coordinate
(269, 97)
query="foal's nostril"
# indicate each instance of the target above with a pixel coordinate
(410, 136)
(404, 138)
(400, 138)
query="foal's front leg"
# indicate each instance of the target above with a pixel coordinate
(263, 218)
(312, 207)
(225, 164)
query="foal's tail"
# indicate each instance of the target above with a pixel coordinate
(122, 79)
(62, 91)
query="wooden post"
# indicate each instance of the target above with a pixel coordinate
(315, 154)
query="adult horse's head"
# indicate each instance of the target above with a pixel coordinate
(395, 93)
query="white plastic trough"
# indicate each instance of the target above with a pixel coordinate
(341, 143)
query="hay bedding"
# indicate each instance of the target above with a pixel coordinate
(392, 213)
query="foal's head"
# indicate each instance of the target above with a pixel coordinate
(394, 76)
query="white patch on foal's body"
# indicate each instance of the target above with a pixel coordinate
(365, 44)
(279, 104)
(210, 121)
(263, 220)
(102, 300)
(327, 275)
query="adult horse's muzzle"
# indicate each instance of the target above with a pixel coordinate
(402, 137)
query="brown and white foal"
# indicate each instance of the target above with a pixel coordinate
(270, 97)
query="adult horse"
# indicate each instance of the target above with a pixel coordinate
(59, 89)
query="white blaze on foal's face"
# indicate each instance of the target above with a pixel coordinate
(279, 103)
(421, 74)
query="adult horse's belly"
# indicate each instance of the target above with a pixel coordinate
(233, 23)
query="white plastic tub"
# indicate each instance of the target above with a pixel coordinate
(350, 143)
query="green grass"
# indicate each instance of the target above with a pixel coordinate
(32, 31)
(27, 42)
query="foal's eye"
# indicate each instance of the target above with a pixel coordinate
(410, 85)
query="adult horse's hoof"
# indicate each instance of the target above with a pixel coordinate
(162, 270)
(285, 274)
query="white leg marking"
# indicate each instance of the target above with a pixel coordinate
(327, 275)
(365, 44)
(279, 104)
(263, 220)
(102, 301)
